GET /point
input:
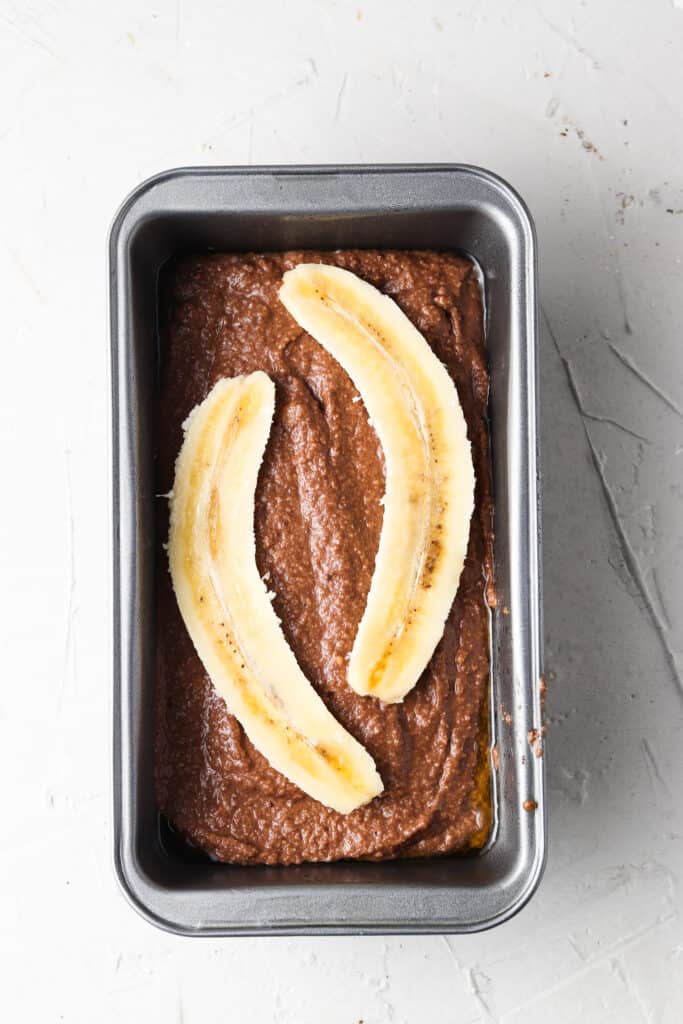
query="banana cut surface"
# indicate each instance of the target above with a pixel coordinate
(227, 609)
(413, 405)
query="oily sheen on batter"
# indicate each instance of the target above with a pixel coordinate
(318, 519)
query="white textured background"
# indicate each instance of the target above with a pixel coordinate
(580, 106)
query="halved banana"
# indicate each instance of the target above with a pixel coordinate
(413, 405)
(227, 609)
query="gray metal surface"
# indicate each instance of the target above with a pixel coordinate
(431, 206)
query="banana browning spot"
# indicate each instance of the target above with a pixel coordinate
(431, 562)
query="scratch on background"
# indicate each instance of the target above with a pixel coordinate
(589, 964)
(632, 564)
(340, 97)
(626, 361)
(551, 108)
(570, 40)
(25, 272)
(242, 116)
(473, 976)
(596, 417)
(384, 989)
(178, 17)
(622, 974)
(71, 603)
(628, 554)
(656, 778)
(607, 223)
(660, 599)
(27, 36)
(250, 142)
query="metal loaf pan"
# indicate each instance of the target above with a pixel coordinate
(264, 209)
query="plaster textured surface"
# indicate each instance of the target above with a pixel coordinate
(580, 106)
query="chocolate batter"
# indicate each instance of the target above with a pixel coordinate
(318, 519)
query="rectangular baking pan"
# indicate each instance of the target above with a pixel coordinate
(446, 207)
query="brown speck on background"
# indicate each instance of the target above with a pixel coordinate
(506, 610)
(495, 756)
(529, 805)
(625, 200)
(589, 146)
(546, 74)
